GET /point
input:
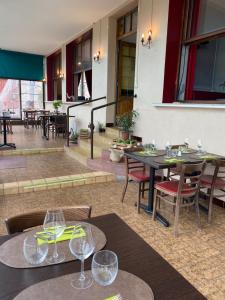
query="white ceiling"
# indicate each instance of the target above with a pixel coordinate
(41, 26)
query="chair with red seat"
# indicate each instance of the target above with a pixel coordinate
(213, 183)
(181, 193)
(136, 172)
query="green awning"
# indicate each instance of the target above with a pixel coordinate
(18, 65)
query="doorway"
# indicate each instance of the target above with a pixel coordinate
(126, 41)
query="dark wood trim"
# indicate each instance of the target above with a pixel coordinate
(205, 37)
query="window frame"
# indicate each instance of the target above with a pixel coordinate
(186, 26)
(20, 95)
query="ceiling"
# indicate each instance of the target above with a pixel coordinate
(42, 26)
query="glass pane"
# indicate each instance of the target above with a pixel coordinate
(210, 67)
(211, 16)
(57, 89)
(78, 56)
(86, 54)
(127, 23)
(10, 97)
(134, 21)
(120, 27)
(31, 94)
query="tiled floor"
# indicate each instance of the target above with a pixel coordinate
(197, 254)
(43, 166)
(31, 138)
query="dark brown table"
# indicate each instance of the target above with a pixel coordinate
(134, 255)
(158, 163)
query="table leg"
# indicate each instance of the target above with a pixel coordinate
(149, 207)
(5, 144)
(44, 129)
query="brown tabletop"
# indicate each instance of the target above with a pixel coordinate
(134, 254)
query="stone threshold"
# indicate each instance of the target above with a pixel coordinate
(30, 151)
(61, 182)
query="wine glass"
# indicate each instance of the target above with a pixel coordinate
(168, 149)
(82, 246)
(104, 267)
(199, 146)
(35, 249)
(54, 226)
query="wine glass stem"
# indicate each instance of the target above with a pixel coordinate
(82, 276)
(55, 252)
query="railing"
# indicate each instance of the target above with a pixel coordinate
(92, 120)
(75, 105)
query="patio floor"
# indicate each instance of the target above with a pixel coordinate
(32, 138)
(197, 254)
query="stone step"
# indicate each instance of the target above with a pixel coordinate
(30, 151)
(28, 186)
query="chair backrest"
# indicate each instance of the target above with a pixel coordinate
(22, 222)
(60, 120)
(219, 170)
(190, 176)
(132, 164)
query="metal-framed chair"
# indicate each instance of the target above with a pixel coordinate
(181, 193)
(214, 185)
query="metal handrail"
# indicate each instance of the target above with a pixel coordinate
(92, 120)
(75, 105)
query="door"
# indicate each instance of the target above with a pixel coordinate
(126, 74)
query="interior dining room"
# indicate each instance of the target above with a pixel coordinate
(112, 151)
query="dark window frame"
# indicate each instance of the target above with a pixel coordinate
(180, 33)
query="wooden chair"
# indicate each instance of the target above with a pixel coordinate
(214, 185)
(181, 193)
(172, 173)
(135, 171)
(22, 222)
(30, 118)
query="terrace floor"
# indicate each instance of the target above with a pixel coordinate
(197, 254)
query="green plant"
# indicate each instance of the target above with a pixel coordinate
(127, 121)
(101, 125)
(57, 103)
(74, 136)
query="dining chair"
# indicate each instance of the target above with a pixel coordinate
(21, 222)
(214, 184)
(135, 171)
(172, 173)
(181, 193)
(30, 118)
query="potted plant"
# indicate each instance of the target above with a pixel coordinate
(126, 122)
(101, 127)
(56, 104)
(74, 137)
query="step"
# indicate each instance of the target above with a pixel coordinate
(30, 151)
(61, 182)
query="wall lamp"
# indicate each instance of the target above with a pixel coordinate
(97, 56)
(147, 43)
(61, 75)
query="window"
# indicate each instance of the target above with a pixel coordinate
(16, 95)
(203, 53)
(128, 23)
(57, 81)
(82, 69)
(198, 52)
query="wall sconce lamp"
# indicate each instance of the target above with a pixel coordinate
(97, 57)
(147, 43)
(44, 80)
(61, 75)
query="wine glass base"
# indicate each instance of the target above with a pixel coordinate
(82, 284)
(55, 260)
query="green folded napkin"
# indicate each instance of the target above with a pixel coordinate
(68, 234)
(208, 157)
(146, 153)
(116, 297)
(174, 160)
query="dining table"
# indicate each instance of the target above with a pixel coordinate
(159, 161)
(134, 256)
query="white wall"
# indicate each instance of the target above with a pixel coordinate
(169, 123)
